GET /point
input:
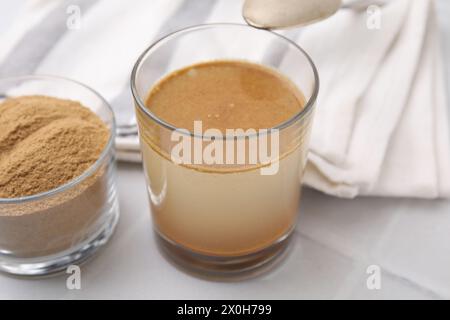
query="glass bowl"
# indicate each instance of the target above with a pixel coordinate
(47, 232)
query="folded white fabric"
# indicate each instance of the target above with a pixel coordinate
(381, 124)
(376, 130)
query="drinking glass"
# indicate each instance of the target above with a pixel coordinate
(223, 221)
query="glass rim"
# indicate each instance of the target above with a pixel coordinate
(287, 123)
(87, 173)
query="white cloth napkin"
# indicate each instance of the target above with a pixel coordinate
(381, 123)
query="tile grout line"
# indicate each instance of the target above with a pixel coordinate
(410, 282)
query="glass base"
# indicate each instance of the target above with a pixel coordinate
(224, 268)
(49, 265)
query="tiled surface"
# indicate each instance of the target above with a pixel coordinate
(335, 242)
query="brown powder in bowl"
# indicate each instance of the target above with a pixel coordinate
(46, 142)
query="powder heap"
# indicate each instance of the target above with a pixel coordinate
(46, 142)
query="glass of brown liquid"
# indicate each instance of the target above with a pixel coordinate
(224, 114)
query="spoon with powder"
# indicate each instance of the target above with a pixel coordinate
(281, 14)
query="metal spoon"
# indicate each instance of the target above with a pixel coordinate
(281, 14)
